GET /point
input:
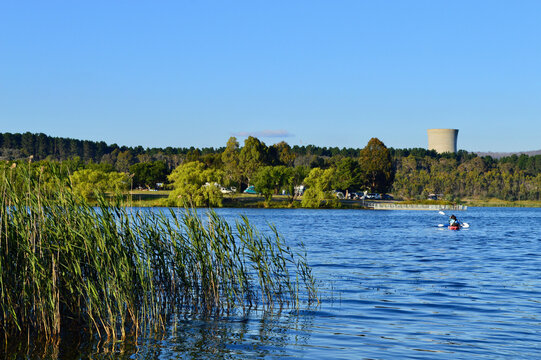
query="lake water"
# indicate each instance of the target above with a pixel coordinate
(393, 286)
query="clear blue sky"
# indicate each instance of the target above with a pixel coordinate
(328, 73)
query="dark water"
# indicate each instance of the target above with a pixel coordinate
(393, 286)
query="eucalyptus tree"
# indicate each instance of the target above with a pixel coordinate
(348, 175)
(376, 166)
(252, 156)
(124, 160)
(283, 153)
(148, 174)
(269, 180)
(230, 161)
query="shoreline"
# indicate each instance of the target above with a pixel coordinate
(155, 199)
(503, 203)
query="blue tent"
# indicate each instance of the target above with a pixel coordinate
(250, 190)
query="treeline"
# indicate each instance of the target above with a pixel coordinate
(43, 147)
(274, 169)
(465, 175)
(15, 146)
(407, 173)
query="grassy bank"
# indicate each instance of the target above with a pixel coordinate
(111, 271)
(150, 199)
(500, 203)
(157, 199)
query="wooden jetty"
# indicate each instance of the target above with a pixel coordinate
(398, 206)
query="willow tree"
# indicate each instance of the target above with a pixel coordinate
(89, 182)
(195, 184)
(376, 166)
(319, 185)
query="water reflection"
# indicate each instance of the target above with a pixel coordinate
(251, 334)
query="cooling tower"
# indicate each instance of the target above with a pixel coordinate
(442, 140)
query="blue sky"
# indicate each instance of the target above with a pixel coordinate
(328, 73)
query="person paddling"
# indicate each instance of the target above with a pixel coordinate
(453, 221)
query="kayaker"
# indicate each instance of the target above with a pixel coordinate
(453, 221)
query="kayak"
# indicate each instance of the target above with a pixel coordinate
(454, 227)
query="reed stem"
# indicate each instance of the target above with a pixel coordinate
(112, 270)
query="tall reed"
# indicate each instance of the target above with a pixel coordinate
(113, 270)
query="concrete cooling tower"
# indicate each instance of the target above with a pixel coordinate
(442, 140)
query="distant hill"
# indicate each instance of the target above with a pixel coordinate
(499, 155)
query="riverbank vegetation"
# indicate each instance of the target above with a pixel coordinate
(112, 270)
(201, 176)
(464, 175)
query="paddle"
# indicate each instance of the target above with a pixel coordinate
(464, 225)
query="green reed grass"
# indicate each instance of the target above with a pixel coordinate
(112, 270)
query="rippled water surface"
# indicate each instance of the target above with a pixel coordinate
(393, 286)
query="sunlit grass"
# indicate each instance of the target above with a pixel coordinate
(494, 202)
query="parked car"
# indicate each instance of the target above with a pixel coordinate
(338, 194)
(373, 196)
(388, 197)
(225, 190)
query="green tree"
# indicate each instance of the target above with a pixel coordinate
(105, 167)
(62, 148)
(148, 174)
(348, 175)
(376, 166)
(252, 156)
(196, 185)
(111, 157)
(89, 150)
(284, 154)
(296, 178)
(43, 146)
(319, 185)
(124, 160)
(88, 182)
(230, 160)
(28, 143)
(76, 148)
(269, 180)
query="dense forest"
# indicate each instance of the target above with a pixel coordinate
(406, 173)
(41, 147)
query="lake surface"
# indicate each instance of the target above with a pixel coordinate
(393, 286)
